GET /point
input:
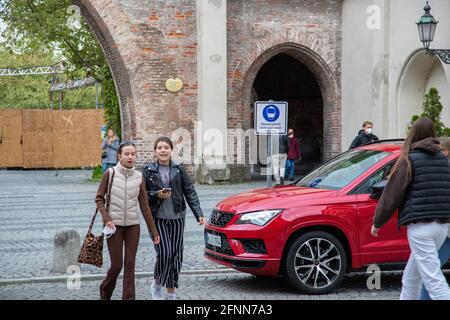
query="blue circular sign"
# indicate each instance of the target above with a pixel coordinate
(271, 113)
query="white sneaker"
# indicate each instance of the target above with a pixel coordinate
(171, 296)
(157, 291)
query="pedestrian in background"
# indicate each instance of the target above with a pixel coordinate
(110, 145)
(419, 187)
(445, 146)
(178, 150)
(293, 154)
(280, 149)
(444, 251)
(168, 186)
(127, 194)
(365, 135)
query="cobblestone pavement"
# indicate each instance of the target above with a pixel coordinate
(214, 287)
(34, 205)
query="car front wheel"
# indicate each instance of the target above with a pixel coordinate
(316, 263)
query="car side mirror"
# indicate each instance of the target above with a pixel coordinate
(377, 189)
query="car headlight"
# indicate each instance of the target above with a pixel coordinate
(259, 218)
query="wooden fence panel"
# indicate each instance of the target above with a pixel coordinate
(11, 150)
(77, 138)
(37, 139)
(50, 139)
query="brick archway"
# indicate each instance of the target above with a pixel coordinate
(323, 65)
(144, 48)
(116, 65)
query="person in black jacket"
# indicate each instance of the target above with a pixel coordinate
(444, 251)
(419, 187)
(168, 185)
(364, 136)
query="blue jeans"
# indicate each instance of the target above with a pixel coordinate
(105, 166)
(290, 166)
(444, 256)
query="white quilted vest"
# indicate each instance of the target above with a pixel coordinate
(124, 196)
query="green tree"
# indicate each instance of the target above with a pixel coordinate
(52, 26)
(432, 108)
(46, 25)
(112, 112)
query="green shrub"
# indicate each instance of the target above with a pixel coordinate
(97, 173)
(432, 108)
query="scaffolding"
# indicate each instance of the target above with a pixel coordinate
(56, 85)
(38, 70)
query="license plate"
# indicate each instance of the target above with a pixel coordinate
(214, 240)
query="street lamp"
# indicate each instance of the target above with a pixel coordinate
(427, 27)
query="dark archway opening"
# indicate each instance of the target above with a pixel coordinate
(284, 78)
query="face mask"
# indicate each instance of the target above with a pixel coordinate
(369, 131)
(108, 232)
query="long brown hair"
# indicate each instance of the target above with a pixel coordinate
(163, 139)
(421, 129)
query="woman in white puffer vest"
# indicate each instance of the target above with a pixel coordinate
(127, 193)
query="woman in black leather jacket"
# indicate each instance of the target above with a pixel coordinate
(169, 187)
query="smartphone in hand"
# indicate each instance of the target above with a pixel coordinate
(166, 190)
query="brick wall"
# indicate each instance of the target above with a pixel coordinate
(146, 42)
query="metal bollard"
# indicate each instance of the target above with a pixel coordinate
(66, 247)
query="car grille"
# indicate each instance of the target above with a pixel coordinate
(254, 246)
(219, 218)
(224, 249)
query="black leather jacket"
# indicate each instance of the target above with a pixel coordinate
(180, 183)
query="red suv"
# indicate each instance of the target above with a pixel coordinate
(315, 230)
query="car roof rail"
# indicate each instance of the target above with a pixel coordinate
(385, 140)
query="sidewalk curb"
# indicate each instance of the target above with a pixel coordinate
(101, 276)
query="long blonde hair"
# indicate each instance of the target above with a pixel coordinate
(421, 129)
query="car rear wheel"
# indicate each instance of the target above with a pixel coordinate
(316, 263)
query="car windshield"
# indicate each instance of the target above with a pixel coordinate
(342, 170)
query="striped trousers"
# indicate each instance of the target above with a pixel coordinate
(169, 251)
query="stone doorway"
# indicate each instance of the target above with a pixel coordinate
(285, 78)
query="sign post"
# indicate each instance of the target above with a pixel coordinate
(270, 119)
